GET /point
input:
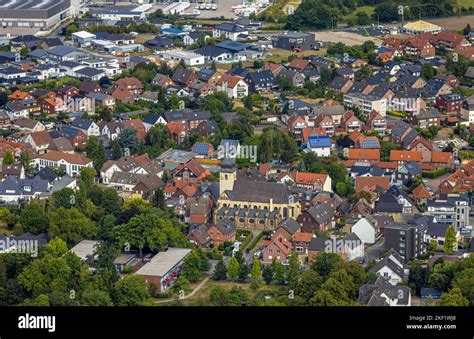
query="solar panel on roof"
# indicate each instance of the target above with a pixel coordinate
(370, 144)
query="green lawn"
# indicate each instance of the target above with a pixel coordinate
(464, 3)
(367, 9)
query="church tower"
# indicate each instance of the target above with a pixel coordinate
(227, 176)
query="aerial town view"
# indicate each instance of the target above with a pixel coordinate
(251, 153)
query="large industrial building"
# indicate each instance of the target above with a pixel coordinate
(39, 14)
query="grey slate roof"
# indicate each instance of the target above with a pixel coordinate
(372, 295)
(321, 213)
(27, 187)
(260, 192)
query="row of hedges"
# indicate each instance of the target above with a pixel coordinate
(396, 114)
(434, 174)
(255, 242)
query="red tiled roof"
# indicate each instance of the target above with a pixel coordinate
(364, 154)
(364, 183)
(70, 158)
(442, 157)
(397, 155)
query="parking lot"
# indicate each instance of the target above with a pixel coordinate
(224, 9)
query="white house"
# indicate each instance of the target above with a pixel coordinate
(233, 86)
(127, 165)
(13, 189)
(229, 30)
(89, 127)
(70, 163)
(391, 268)
(153, 119)
(365, 230)
(39, 141)
(320, 145)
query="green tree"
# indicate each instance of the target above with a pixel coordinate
(255, 273)
(181, 284)
(268, 274)
(25, 161)
(110, 201)
(331, 293)
(150, 229)
(279, 272)
(428, 71)
(71, 225)
(93, 297)
(308, 284)
(192, 267)
(362, 18)
(313, 14)
(464, 280)
(40, 300)
(8, 158)
(450, 242)
(452, 298)
(128, 141)
(293, 271)
(325, 263)
(8, 217)
(159, 198)
(131, 290)
(233, 268)
(33, 218)
(220, 272)
(96, 152)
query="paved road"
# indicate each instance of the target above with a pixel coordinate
(373, 252)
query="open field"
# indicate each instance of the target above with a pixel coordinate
(348, 38)
(204, 291)
(367, 9)
(454, 23)
(141, 38)
(280, 54)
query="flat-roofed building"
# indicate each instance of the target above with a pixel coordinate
(164, 268)
(189, 58)
(40, 14)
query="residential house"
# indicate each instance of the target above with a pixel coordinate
(317, 218)
(234, 86)
(39, 141)
(70, 163)
(392, 268)
(222, 231)
(262, 81)
(382, 293)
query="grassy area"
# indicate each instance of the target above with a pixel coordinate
(463, 3)
(281, 55)
(140, 39)
(277, 10)
(466, 154)
(203, 294)
(5, 231)
(367, 9)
